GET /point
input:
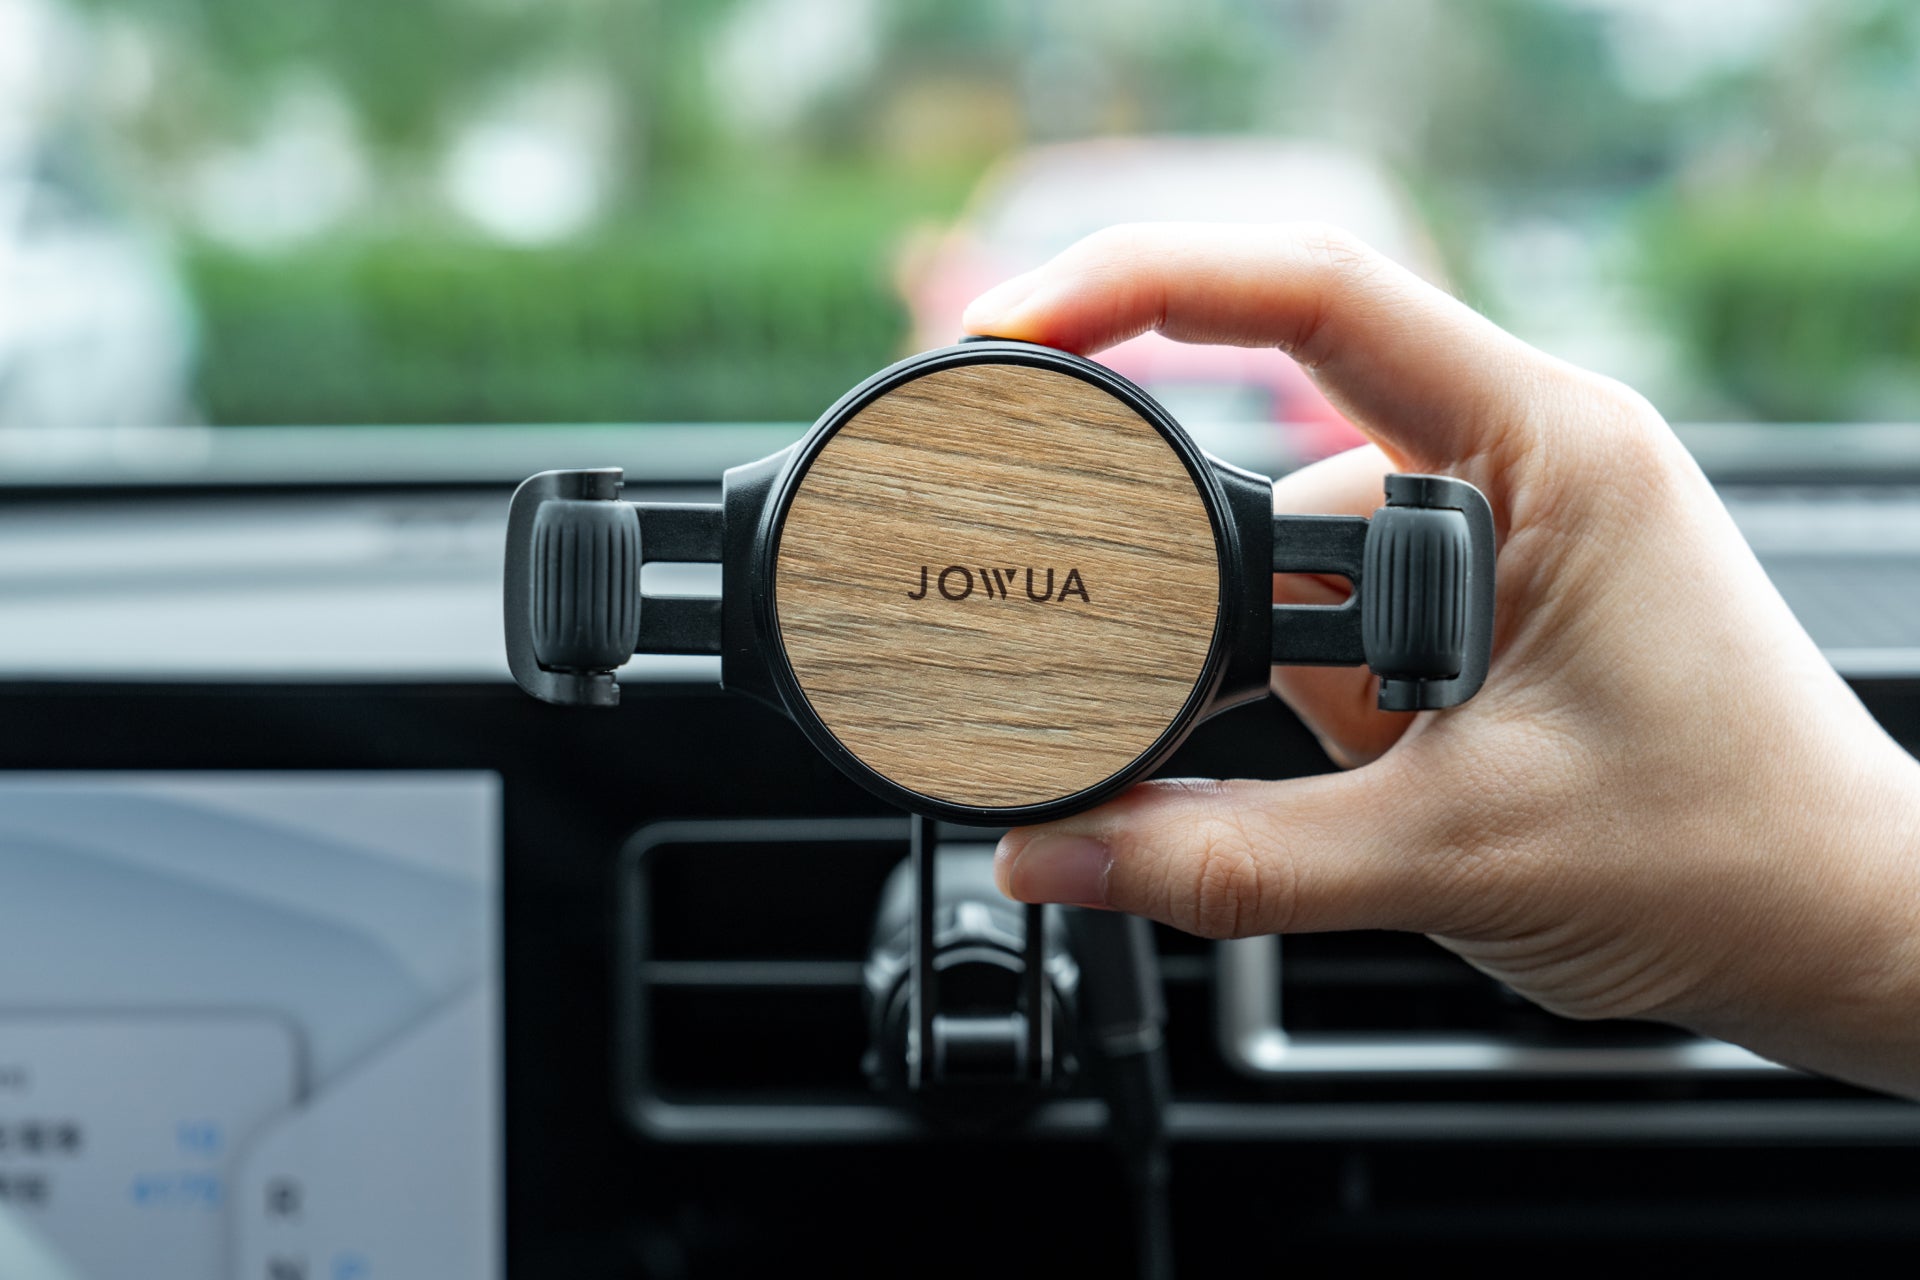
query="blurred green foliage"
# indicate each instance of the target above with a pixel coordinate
(1534, 106)
(410, 68)
(739, 270)
(745, 300)
(1802, 309)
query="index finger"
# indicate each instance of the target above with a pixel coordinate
(1423, 373)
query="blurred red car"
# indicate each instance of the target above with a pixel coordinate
(1042, 200)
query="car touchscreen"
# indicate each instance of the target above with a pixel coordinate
(249, 1026)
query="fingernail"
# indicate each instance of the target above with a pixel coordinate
(1069, 869)
(992, 306)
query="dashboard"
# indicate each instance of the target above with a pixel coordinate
(325, 953)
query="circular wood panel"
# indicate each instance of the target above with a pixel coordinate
(997, 585)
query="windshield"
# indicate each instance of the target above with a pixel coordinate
(350, 213)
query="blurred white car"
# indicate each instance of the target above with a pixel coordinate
(95, 330)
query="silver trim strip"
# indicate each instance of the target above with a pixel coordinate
(1849, 1122)
(1860, 663)
(1255, 1042)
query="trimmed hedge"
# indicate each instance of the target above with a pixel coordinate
(637, 324)
(1797, 312)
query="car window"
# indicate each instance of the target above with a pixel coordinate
(223, 213)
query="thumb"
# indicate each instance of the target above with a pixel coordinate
(1234, 859)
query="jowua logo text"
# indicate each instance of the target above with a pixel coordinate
(960, 582)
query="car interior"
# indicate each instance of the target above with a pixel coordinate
(327, 952)
(592, 992)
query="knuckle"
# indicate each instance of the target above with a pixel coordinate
(1231, 894)
(1621, 418)
(1338, 249)
(1341, 265)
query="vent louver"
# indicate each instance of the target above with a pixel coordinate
(741, 1019)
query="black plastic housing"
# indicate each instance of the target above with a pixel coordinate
(1421, 613)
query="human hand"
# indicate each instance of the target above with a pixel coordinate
(1663, 804)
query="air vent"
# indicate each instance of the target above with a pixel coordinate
(743, 944)
(741, 993)
(741, 1019)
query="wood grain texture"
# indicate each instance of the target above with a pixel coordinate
(995, 700)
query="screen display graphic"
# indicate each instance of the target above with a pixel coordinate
(249, 1026)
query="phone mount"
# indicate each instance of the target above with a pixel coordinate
(997, 584)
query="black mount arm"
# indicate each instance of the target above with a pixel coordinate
(943, 1049)
(679, 533)
(1319, 635)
